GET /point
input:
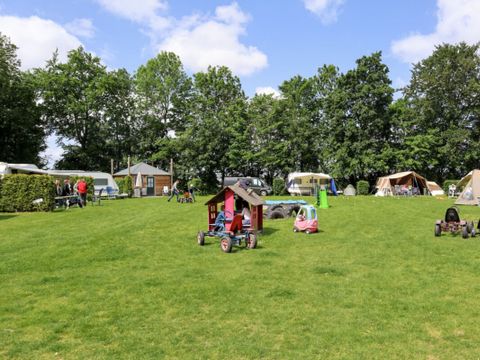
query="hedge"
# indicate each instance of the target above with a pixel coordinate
(127, 186)
(363, 187)
(18, 192)
(278, 186)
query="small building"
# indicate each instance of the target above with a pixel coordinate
(230, 195)
(153, 180)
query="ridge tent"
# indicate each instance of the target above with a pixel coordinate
(388, 185)
(435, 189)
(471, 189)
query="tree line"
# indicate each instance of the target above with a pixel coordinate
(350, 125)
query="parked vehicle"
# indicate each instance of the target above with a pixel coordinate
(304, 183)
(254, 183)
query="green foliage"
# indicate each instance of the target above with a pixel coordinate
(17, 193)
(127, 185)
(278, 186)
(200, 187)
(21, 129)
(363, 187)
(120, 183)
(447, 183)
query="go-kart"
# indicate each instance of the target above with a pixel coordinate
(306, 220)
(453, 224)
(235, 235)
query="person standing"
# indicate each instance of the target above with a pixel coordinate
(174, 190)
(191, 190)
(82, 189)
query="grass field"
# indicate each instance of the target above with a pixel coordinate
(127, 280)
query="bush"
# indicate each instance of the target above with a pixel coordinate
(447, 183)
(17, 193)
(127, 186)
(278, 187)
(363, 187)
(120, 183)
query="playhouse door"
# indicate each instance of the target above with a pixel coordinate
(150, 186)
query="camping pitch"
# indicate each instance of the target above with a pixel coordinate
(398, 184)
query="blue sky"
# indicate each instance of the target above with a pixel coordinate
(263, 42)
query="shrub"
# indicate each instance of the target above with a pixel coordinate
(278, 186)
(127, 186)
(120, 183)
(363, 187)
(447, 183)
(17, 193)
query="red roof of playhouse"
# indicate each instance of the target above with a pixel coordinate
(247, 195)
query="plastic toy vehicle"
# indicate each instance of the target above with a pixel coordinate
(306, 220)
(453, 224)
(234, 236)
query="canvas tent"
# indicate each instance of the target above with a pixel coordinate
(303, 183)
(435, 189)
(390, 185)
(471, 189)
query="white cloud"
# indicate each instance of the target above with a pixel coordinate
(215, 40)
(81, 27)
(199, 40)
(326, 10)
(37, 39)
(144, 11)
(458, 20)
(267, 90)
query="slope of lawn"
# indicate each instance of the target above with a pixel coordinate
(126, 280)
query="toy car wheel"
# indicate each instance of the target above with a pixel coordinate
(308, 231)
(201, 238)
(251, 241)
(473, 232)
(438, 230)
(226, 244)
(465, 232)
(295, 229)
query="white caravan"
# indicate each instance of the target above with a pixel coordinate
(303, 183)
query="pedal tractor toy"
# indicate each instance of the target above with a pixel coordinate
(227, 224)
(453, 224)
(306, 220)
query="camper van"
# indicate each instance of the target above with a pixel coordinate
(257, 185)
(302, 183)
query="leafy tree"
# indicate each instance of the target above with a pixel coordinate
(163, 92)
(82, 102)
(22, 133)
(361, 126)
(213, 140)
(443, 96)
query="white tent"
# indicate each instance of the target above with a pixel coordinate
(435, 189)
(303, 183)
(471, 189)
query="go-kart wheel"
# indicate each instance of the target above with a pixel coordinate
(251, 241)
(438, 230)
(469, 227)
(226, 244)
(295, 229)
(465, 232)
(201, 238)
(473, 232)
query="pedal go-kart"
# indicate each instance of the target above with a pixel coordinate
(236, 235)
(453, 224)
(306, 220)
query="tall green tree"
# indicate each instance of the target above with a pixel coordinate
(214, 141)
(164, 93)
(22, 132)
(361, 125)
(443, 96)
(81, 102)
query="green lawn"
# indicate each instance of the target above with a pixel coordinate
(127, 280)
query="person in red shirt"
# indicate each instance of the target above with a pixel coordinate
(82, 189)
